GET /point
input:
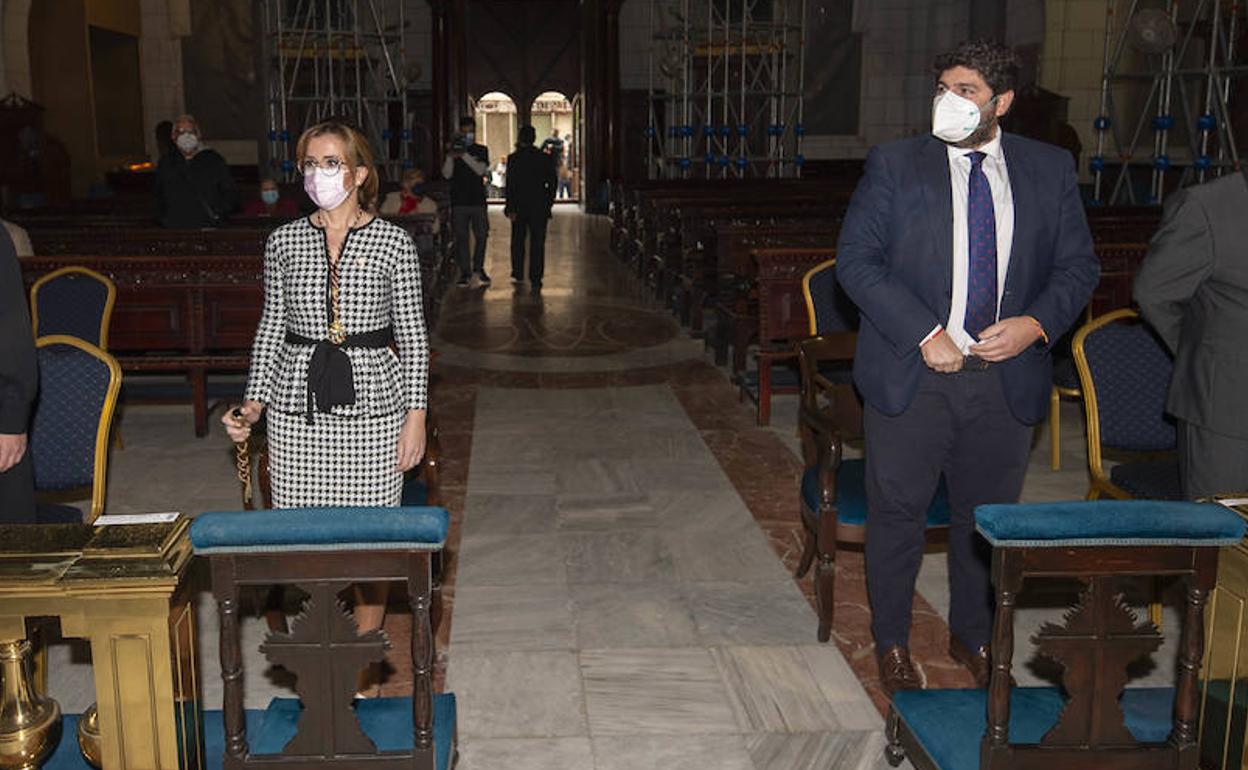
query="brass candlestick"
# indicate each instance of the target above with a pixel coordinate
(89, 736)
(30, 724)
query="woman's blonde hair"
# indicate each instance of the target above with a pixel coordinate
(357, 151)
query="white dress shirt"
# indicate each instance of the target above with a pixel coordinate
(1003, 209)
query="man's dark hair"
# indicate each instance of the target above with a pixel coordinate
(528, 135)
(467, 120)
(995, 63)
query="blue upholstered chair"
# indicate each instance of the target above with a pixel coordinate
(78, 386)
(323, 551)
(833, 489)
(73, 300)
(1091, 721)
(1124, 373)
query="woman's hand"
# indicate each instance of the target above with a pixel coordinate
(238, 420)
(411, 447)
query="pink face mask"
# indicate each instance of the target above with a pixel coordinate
(325, 188)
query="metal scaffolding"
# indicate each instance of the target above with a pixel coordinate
(339, 58)
(1167, 77)
(726, 81)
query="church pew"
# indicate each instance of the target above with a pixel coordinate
(781, 319)
(194, 314)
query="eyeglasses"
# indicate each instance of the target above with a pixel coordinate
(331, 166)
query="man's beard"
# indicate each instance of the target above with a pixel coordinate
(982, 135)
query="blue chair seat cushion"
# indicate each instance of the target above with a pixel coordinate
(320, 529)
(851, 495)
(1108, 523)
(949, 724)
(55, 513)
(386, 721)
(1149, 479)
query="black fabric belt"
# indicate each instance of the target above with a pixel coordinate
(330, 379)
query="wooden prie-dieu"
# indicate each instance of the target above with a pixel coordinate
(323, 552)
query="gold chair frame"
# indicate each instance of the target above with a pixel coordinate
(86, 271)
(99, 476)
(1100, 486)
(810, 301)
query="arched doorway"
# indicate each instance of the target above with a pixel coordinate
(496, 129)
(555, 119)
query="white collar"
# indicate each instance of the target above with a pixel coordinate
(992, 149)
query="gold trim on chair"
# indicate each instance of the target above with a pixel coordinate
(100, 473)
(1101, 485)
(86, 271)
(810, 301)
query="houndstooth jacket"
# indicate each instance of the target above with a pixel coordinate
(379, 287)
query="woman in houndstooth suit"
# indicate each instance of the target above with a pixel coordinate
(341, 355)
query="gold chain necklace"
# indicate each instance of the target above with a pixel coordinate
(337, 333)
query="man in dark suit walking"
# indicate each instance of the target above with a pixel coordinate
(966, 251)
(530, 195)
(1193, 289)
(19, 383)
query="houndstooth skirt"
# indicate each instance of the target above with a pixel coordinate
(336, 461)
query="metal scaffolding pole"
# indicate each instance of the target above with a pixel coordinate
(337, 58)
(1168, 70)
(726, 82)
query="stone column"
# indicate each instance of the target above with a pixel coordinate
(611, 86)
(438, 85)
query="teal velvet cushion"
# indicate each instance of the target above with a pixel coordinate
(320, 529)
(386, 721)
(1108, 522)
(851, 495)
(950, 723)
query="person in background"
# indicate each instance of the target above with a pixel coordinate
(967, 251)
(498, 179)
(410, 198)
(194, 188)
(553, 146)
(271, 203)
(466, 166)
(164, 139)
(21, 239)
(19, 383)
(1193, 289)
(565, 181)
(530, 195)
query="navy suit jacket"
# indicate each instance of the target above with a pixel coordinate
(895, 260)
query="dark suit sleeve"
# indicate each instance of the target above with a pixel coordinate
(552, 181)
(1076, 268)
(509, 206)
(862, 266)
(1180, 258)
(19, 372)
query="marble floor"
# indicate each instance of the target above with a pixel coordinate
(619, 590)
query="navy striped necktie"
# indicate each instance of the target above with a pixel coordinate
(981, 232)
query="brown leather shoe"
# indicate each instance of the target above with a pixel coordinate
(897, 671)
(977, 661)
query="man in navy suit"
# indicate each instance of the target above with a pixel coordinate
(967, 251)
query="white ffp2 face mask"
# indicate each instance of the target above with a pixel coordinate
(327, 191)
(187, 142)
(954, 117)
